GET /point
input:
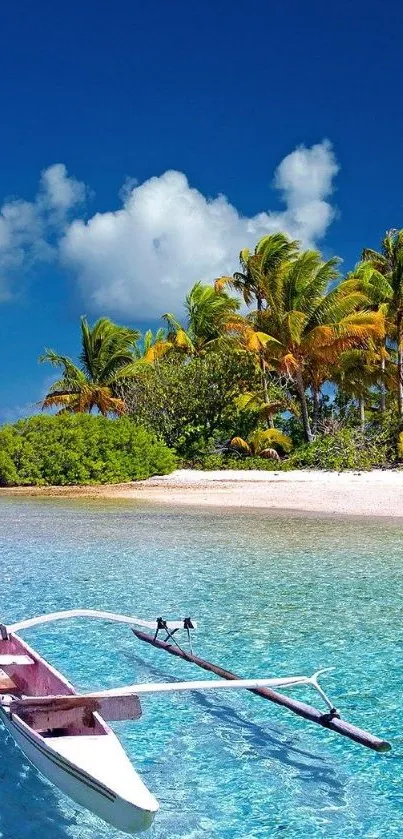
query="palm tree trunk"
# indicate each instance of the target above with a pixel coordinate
(299, 386)
(383, 388)
(361, 403)
(315, 417)
(262, 364)
(270, 421)
(399, 325)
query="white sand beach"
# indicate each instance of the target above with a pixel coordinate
(377, 493)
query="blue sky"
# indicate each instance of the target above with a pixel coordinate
(151, 111)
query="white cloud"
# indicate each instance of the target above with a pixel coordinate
(30, 230)
(21, 241)
(305, 179)
(59, 192)
(307, 174)
(143, 258)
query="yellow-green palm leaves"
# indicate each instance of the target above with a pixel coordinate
(208, 311)
(153, 346)
(386, 280)
(358, 373)
(313, 321)
(265, 404)
(260, 268)
(263, 444)
(106, 349)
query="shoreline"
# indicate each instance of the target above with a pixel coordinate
(374, 494)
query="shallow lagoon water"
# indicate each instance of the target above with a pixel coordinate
(274, 595)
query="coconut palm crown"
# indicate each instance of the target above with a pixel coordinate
(107, 349)
(207, 312)
(271, 255)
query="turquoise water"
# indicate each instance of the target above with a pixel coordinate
(273, 596)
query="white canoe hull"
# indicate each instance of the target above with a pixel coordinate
(85, 761)
(94, 771)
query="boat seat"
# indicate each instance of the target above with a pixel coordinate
(11, 660)
(6, 683)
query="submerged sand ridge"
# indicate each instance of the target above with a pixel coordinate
(376, 493)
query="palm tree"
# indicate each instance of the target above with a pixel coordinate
(267, 404)
(263, 443)
(207, 313)
(356, 373)
(387, 265)
(107, 350)
(378, 290)
(260, 268)
(311, 322)
(153, 346)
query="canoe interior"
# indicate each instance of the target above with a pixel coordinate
(41, 679)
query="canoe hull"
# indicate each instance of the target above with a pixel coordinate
(79, 786)
(88, 765)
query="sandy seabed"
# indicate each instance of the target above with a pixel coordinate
(377, 493)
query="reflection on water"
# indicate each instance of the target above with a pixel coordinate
(273, 595)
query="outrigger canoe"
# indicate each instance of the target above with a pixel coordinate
(77, 751)
(65, 735)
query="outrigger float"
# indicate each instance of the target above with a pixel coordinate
(66, 737)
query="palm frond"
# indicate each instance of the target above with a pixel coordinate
(240, 445)
(269, 453)
(276, 249)
(243, 257)
(378, 259)
(172, 323)
(221, 282)
(157, 350)
(262, 441)
(70, 370)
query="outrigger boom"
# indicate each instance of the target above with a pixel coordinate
(92, 613)
(132, 691)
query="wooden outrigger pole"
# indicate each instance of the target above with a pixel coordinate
(330, 720)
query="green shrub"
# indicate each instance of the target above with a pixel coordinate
(248, 463)
(219, 461)
(8, 471)
(188, 402)
(79, 449)
(210, 462)
(347, 449)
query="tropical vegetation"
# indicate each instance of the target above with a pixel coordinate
(106, 350)
(79, 449)
(286, 363)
